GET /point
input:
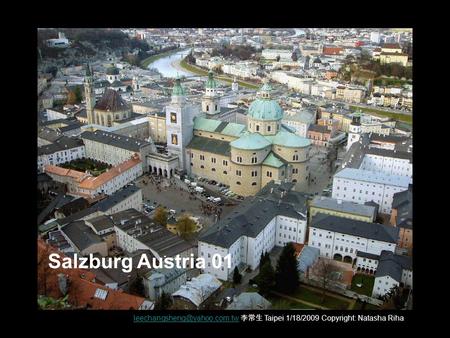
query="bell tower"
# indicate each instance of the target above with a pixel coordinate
(210, 100)
(89, 94)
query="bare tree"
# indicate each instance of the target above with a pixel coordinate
(327, 272)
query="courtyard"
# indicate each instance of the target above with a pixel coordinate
(365, 283)
(82, 164)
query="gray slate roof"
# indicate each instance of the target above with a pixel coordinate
(329, 203)
(393, 265)
(375, 231)
(81, 235)
(252, 216)
(62, 143)
(119, 141)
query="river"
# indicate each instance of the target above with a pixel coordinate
(165, 65)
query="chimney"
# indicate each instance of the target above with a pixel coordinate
(63, 283)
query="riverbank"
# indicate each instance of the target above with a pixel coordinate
(196, 70)
(153, 58)
(383, 113)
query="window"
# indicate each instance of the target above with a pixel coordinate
(202, 167)
(257, 127)
(238, 173)
(225, 162)
(238, 183)
(213, 169)
(254, 183)
(175, 139)
(254, 173)
(295, 157)
(213, 160)
(173, 117)
(239, 159)
(254, 159)
(192, 155)
(224, 172)
(202, 157)
(269, 128)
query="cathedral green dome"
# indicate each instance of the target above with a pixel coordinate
(211, 83)
(178, 89)
(264, 108)
(250, 141)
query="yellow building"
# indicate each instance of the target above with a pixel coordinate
(345, 209)
(401, 58)
(248, 157)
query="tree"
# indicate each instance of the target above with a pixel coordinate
(395, 298)
(265, 257)
(237, 277)
(186, 226)
(287, 277)
(71, 97)
(137, 287)
(164, 302)
(266, 278)
(78, 94)
(327, 273)
(160, 216)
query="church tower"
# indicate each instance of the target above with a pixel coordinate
(354, 130)
(210, 100)
(89, 94)
(179, 124)
(234, 85)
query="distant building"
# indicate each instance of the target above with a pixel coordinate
(401, 217)
(392, 270)
(249, 301)
(342, 238)
(195, 293)
(163, 280)
(276, 216)
(345, 209)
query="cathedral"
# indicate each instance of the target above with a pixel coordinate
(244, 156)
(111, 107)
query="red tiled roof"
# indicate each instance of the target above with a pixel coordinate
(82, 285)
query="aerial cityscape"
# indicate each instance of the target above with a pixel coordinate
(225, 169)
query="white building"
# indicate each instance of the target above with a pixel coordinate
(179, 124)
(300, 120)
(198, 290)
(274, 54)
(64, 149)
(393, 270)
(268, 220)
(342, 238)
(84, 184)
(114, 149)
(360, 186)
(244, 69)
(163, 280)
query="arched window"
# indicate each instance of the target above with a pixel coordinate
(257, 127)
(254, 183)
(269, 128)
